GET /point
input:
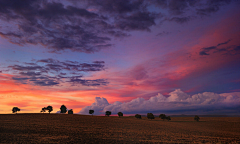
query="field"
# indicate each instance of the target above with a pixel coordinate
(63, 128)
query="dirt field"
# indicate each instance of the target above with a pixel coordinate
(63, 128)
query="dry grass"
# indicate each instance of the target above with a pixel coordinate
(61, 128)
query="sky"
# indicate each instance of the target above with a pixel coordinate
(133, 56)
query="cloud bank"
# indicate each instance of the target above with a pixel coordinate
(177, 102)
(50, 72)
(89, 25)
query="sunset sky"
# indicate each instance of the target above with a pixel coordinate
(133, 56)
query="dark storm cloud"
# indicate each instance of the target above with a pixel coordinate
(50, 72)
(89, 26)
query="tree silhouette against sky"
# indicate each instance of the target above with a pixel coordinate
(15, 109)
(63, 109)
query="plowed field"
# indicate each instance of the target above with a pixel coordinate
(63, 128)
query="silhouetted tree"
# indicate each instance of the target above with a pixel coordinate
(196, 118)
(50, 109)
(15, 109)
(120, 114)
(63, 109)
(70, 111)
(108, 113)
(91, 112)
(138, 116)
(150, 116)
(163, 116)
(168, 118)
(43, 109)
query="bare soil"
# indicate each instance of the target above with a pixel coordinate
(63, 128)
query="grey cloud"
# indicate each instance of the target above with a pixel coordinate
(55, 72)
(88, 26)
(205, 51)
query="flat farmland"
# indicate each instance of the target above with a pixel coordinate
(63, 128)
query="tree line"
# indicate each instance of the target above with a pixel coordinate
(149, 115)
(63, 109)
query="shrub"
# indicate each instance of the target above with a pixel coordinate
(196, 118)
(91, 112)
(168, 118)
(163, 116)
(108, 113)
(138, 116)
(120, 114)
(150, 116)
(70, 111)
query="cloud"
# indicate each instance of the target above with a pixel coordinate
(212, 48)
(97, 106)
(89, 26)
(177, 101)
(50, 72)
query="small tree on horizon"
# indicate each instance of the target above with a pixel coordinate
(138, 116)
(50, 109)
(63, 109)
(163, 116)
(120, 114)
(70, 111)
(150, 116)
(196, 118)
(91, 112)
(108, 113)
(168, 118)
(15, 109)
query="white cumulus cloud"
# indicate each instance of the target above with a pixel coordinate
(177, 101)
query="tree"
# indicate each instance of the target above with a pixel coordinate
(138, 116)
(70, 111)
(120, 114)
(196, 118)
(163, 116)
(15, 109)
(108, 113)
(91, 112)
(63, 109)
(150, 116)
(168, 118)
(49, 108)
(43, 109)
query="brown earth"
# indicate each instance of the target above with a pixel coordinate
(63, 128)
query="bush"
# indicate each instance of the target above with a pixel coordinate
(138, 116)
(168, 118)
(120, 114)
(91, 112)
(163, 116)
(108, 113)
(150, 116)
(70, 111)
(196, 118)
